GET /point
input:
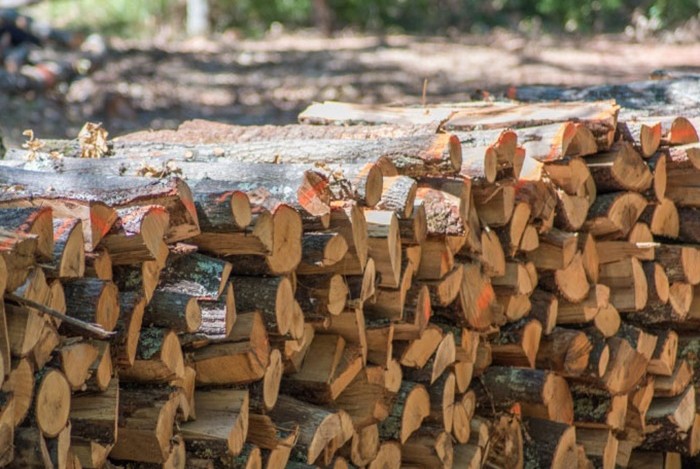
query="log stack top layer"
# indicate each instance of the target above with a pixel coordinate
(465, 285)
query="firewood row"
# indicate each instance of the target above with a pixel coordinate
(491, 285)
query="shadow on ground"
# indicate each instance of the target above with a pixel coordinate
(253, 82)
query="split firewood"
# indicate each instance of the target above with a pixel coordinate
(600, 445)
(550, 444)
(146, 418)
(539, 392)
(95, 196)
(620, 169)
(221, 426)
(137, 235)
(615, 213)
(158, 359)
(68, 260)
(242, 358)
(645, 136)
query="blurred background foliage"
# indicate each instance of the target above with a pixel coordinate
(254, 17)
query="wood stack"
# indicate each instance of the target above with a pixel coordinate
(484, 285)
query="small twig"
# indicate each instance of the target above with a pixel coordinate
(94, 329)
(425, 91)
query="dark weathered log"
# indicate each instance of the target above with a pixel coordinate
(540, 393)
(318, 428)
(410, 406)
(159, 358)
(94, 416)
(551, 444)
(197, 275)
(173, 310)
(597, 408)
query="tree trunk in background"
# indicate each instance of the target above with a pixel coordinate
(197, 17)
(323, 17)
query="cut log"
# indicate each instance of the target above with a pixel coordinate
(94, 194)
(321, 251)
(410, 406)
(317, 427)
(321, 295)
(173, 310)
(551, 444)
(565, 351)
(428, 447)
(145, 424)
(436, 259)
(505, 448)
(128, 328)
(221, 426)
(600, 445)
(663, 359)
(20, 383)
(398, 195)
(272, 296)
(494, 203)
(517, 344)
(600, 117)
(31, 221)
(627, 282)
(257, 240)
(347, 114)
(242, 359)
(626, 367)
(596, 408)
(556, 251)
(384, 246)
(517, 279)
(197, 275)
(571, 281)
(620, 169)
(68, 260)
(94, 416)
(673, 424)
(680, 262)
(464, 408)
(93, 300)
(544, 308)
(333, 367)
(586, 310)
(571, 211)
(159, 358)
(52, 404)
(541, 393)
(676, 383)
(646, 136)
(137, 235)
(614, 213)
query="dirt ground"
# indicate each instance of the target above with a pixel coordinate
(158, 85)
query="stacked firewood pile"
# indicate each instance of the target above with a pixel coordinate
(35, 56)
(478, 285)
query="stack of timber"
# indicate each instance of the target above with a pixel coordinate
(479, 285)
